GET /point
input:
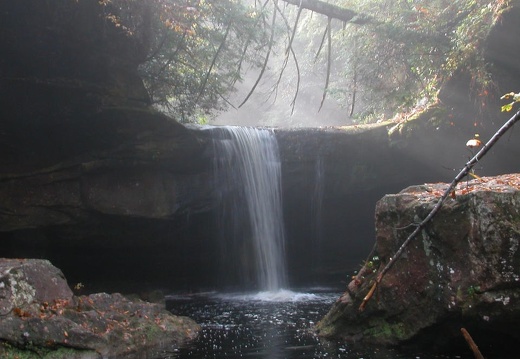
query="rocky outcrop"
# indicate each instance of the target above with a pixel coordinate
(461, 271)
(87, 168)
(42, 318)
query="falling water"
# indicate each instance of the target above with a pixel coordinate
(248, 180)
(317, 198)
(317, 210)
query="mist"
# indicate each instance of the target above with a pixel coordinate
(263, 109)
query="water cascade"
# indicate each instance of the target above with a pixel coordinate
(248, 182)
(317, 209)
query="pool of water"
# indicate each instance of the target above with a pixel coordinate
(268, 325)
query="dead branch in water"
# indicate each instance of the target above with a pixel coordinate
(471, 343)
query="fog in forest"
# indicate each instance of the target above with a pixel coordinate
(262, 109)
(270, 104)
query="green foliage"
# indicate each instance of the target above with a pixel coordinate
(412, 46)
(473, 290)
(8, 351)
(508, 96)
(197, 50)
(384, 330)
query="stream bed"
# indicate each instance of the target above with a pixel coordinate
(268, 325)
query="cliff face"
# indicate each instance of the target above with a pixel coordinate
(463, 270)
(87, 168)
(92, 177)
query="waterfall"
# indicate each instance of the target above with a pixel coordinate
(248, 182)
(317, 210)
(317, 198)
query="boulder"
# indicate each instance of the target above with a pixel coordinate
(24, 282)
(463, 270)
(41, 317)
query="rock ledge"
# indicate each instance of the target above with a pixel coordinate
(42, 318)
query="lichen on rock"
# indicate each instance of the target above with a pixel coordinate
(463, 269)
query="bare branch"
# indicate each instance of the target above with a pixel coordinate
(271, 41)
(286, 61)
(289, 46)
(210, 69)
(329, 62)
(473, 346)
(321, 44)
(293, 102)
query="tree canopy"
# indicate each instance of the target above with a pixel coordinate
(377, 57)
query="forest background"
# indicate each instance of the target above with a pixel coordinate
(277, 63)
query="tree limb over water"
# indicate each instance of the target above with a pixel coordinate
(332, 11)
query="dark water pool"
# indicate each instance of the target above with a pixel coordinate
(268, 326)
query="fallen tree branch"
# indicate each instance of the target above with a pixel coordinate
(472, 345)
(332, 11)
(463, 173)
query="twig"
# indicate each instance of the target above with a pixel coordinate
(329, 61)
(354, 85)
(289, 46)
(213, 62)
(290, 50)
(293, 102)
(463, 173)
(266, 60)
(471, 343)
(246, 46)
(321, 44)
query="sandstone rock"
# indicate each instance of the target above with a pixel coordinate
(26, 282)
(462, 271)
(40, 316)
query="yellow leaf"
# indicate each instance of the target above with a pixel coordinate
(507, 108)
(475, 176)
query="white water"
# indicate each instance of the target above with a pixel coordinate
(248, 177)
(280, 296)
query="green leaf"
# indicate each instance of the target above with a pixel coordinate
(507, 108)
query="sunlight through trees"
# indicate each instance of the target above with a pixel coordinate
(377, 58)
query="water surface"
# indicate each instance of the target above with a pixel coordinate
(268, 325)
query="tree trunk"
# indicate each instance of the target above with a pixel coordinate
(332, 11)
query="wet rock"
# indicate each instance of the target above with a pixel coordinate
(463, 270)
(41, 316)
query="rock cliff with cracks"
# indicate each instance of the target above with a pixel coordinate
(463, 271)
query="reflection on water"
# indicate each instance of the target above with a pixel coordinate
(266, 325)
